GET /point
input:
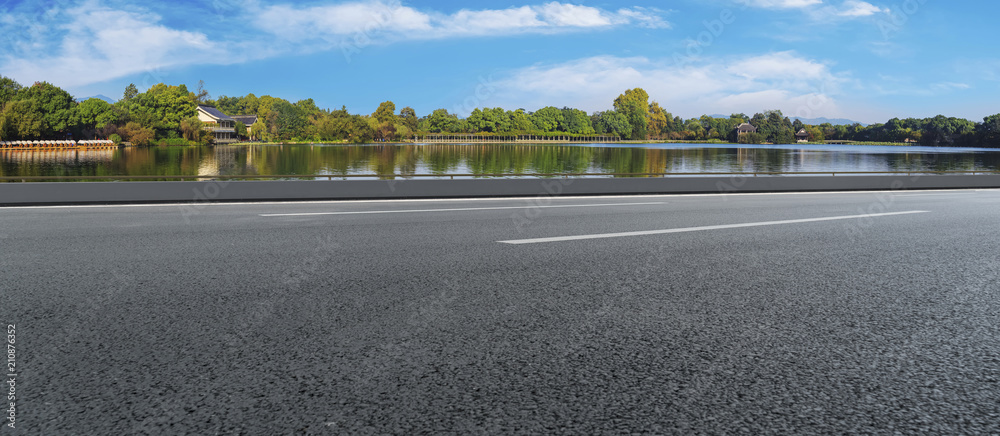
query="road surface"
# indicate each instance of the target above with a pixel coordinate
(716, 314)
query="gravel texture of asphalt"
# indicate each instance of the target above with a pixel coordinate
(414, 317)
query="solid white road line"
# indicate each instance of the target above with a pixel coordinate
(700, 229)
(372, 212)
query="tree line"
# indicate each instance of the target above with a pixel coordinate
(167, 114)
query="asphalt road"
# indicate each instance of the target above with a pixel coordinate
(740, 314)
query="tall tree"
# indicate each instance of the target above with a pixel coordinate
(634, 105)
(57, 106)
(440, 121)
(547, 119)
(989, 131)
(614, 123)
(659, 121)
(519, 121)
(22, 120)
(576, 121)
(130, 92)
(408, 117)
(8, 90)
(202, 97)
(93, 115)
(258, 130)
(386, 112)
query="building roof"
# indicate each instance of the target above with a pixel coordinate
(802, 132)
(746, 127)
(245, 119)
(215, 113)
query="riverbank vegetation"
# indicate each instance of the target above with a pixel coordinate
(167, 115)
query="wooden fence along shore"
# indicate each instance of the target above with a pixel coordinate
(517, 139)
(51, 144)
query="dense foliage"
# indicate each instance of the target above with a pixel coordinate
(166, 114)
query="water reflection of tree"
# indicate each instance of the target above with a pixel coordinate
(386, 160)
(442, 159)
(621, 160)
(407, 159)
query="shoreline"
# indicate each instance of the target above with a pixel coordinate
(538, 142)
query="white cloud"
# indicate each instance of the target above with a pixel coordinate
(91, 44)
(294, 23)
(378, 20)
(782, 65)
(782, 80)
(854, 8)
(84, 43)
(782, 4)
(820, 11)
(910, 86)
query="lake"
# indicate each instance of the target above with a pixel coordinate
(381, 161)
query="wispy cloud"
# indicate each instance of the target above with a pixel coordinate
(782, 4)
(855, 8)
(889, 85)
(780, 80)
(97, 43)
(90, 42)
(818, 10)
(393, 21)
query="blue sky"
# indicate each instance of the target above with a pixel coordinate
(866, 61)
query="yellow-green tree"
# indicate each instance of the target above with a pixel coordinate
(634, 105)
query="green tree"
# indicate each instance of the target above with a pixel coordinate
(202, 96)
(161, 108)
(8, 90)
(989, 131)
(408, 117)
(359, 131)
(130, 92)
(659, 121)
(137, 134)
(258, 129)
(56, 105)
(547, 119)
(519, 121)
(22, 120)
(614, 123)
(287, 121)
(440, 121)
(229, 105)
(192, 128)
(386, 113)
(576, 121)
(92, 113)
(634, 105)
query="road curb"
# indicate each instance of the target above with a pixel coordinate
(13, 194)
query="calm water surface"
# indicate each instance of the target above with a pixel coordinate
(386, 160)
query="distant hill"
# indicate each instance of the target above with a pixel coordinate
(835, 121)
(98, 96)
(812, 121)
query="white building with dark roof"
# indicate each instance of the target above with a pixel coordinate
(745, 128)
(247, 120)
(222, 126)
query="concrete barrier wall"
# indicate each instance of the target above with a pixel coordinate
(222, 191)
